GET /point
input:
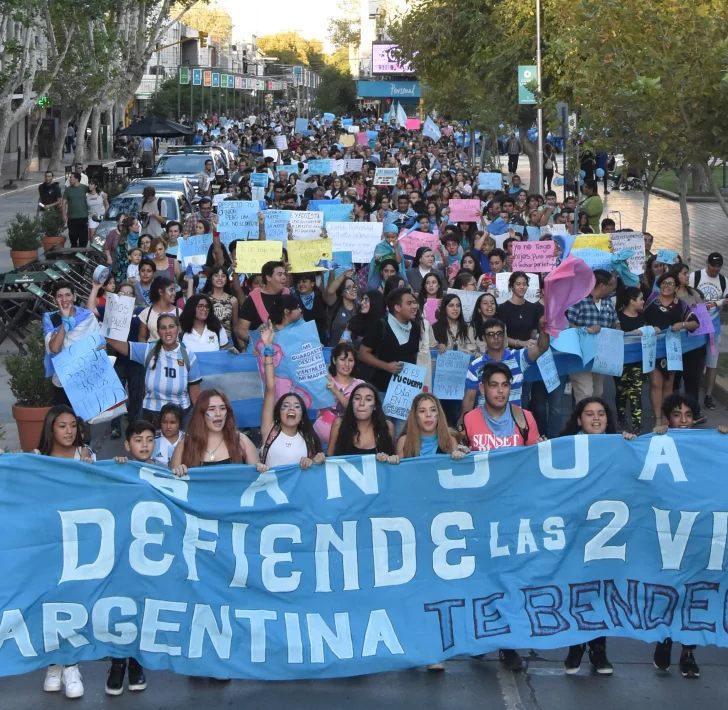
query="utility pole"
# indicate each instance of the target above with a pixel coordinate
(540, 110)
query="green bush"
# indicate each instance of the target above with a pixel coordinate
(26, 372)
(23, 233)
(51, 222)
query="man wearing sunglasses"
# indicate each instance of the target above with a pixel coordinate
(517, 360)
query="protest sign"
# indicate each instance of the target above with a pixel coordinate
(411, 242)
(452, 367)
(335, 212)
(306, 225)
(431, 306)
(648, 341)
(301, 125)
(667, 256)
(609, 355)
(118, 313)
(319, 623)
(588, 345)
(329, 118)
(503, 291)
(353, 165)
(533, 256)
(595, 258)
(338, 167)
(490, 181)
(319, 167)
(316, 204)
(251, 255)
(533, 234)
(634, 241)
(592, 241)
(193, 250)
(549, 372)
(276, 224)
(259, 179)
(553, 229)
(412, 124)
(271, 153)
(706, 327)
(342, 262)
(304, 256)
(673, 349)
(386, 176)
(360, 238)
(347, 140)
(467, 301)
(403, 388)
(361, 139)
(352, 129)
(258, 194)
(302, 186)
(280, 142)
(238, 219)
(447, 130)
(88, 377)
(463, 210)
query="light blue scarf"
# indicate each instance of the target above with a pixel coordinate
(503, 425)
(428, 445)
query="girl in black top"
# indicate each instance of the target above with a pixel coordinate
(312, 303)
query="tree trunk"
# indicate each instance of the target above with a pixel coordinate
(646, 189)
(717, 192)
(93, 152)
(80, 156)
(531, 151)
(682, 175)
(56, 163)
(5, 126)
(33, 142)
(701, 182)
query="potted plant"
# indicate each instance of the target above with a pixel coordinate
(22, 238)
(51, 225)
(31, 388)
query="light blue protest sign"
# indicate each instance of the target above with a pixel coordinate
(319, 167)
(587, 344)
(673, 349)
(315, 205)
(609, 355)
(649, 348)
(238, 219)
(567, 342)
(276, 225)
(549, 372)
(490, 181)
(259, 179)
(329, 118)
(301, 125)
(192, 251)
(449, 378)
(372, 135)
(88, 377)
(342, 261)
(300, 364)
(533, 233)
(403, 388)
(357, 567)
(335, 213)
(517, 229)
(346, 122)
(666, 256)
(594, 258)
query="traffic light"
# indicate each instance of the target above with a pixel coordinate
(203, 38)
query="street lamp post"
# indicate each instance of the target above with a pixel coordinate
(539, 110)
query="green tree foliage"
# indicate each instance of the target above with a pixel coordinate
(164, 100)
(291, 48)
(210, 18)
(336, 93)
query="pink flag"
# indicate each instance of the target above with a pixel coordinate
(431, 306)
(570, 282)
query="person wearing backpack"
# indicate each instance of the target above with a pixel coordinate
(171, 373)
(714, 287)
(152, 212)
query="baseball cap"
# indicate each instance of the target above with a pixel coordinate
(219, 172)
(715, 259)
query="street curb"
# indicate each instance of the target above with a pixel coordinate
(676, 198)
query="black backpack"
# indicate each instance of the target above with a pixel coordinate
(721, 278)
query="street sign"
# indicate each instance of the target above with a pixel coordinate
(238, 82)
(526, 75)
(223, 81)
(184, 75)
(215, 80)
(208, 78)
(197, 77)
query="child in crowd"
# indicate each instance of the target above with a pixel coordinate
(140, 445)
(170, 434)
(132, 271)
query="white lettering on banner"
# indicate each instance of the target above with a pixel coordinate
(554, 526)
(495, 549)
(293, 635)
(339, 641)
(268, 537)
(383, 575)
(13, 626)
(581, 459)
(166, 482)
(62, 620)
(125, 632)
(717, 543)
(672, 547)
(326, 536)
(192, 542)
(526, 540)
(380, 630)
(365, 480)
(444, 544)
(477, 479)
(267, 482)
(151, 625)
(595, 549)
(257, 619)
(662, 451)
(104, 562)
(240, 578)
(138, 560)
(204, 621)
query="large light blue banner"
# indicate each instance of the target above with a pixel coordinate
(356, 567)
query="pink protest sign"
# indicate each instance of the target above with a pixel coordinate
(533, 256)
(361, 138)
(411, 242)
(413, 124)
(431, 309)
(464, 210)
(706, 322)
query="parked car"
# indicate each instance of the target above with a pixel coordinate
(164, 184)
(189, 163)
(179, 207)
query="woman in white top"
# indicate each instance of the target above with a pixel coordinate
(202, 331)
(161, 294)
(97, 204)
(285, 428)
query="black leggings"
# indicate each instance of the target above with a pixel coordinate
(548, 176)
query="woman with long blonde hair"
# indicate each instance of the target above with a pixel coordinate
(426, 431)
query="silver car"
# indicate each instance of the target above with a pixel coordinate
(164, 184)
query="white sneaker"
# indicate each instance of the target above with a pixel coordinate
(72, 681)
(52, 682)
